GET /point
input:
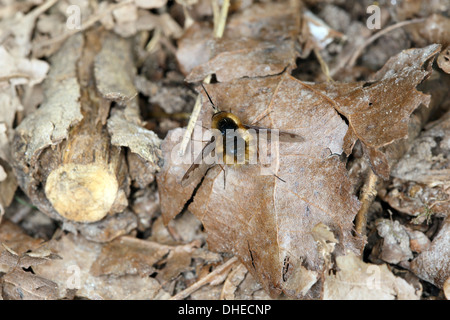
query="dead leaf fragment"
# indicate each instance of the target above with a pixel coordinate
(356, 280)
(433, 265)
(26, 259)
(378, 111)
(21, 70)
(395, 248)
(14, 238)
(21, 285)
(258, 41)
(127, 255)
(73, 272)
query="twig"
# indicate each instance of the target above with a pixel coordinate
(41, 9)
(368, 194)
(207, 279)
(222, 19)
(219, 28)
(374, 37)
(323, 65)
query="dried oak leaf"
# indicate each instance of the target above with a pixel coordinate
(378, 111)
(266, 222)
(258, 41)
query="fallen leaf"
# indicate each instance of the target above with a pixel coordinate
(356, 280)
(258, 41)
(433, 265)
(421, 176)
(268, 227)
(279, 214)
(16, 240)
(21, 285)
(26, 259)
(73, 272)
(128, 255)
(395, 248)
(378, 111)
(21, 70)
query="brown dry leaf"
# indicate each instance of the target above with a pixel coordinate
(25, 260)
(258, 41)
(127, 255)
(265, 232)
(74, 273)
(433, 265)
(17, 241)
(21, 285)
(356, 280)
(18, 250)
(267, 226)
(378, 111)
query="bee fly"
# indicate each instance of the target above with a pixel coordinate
(233, 141)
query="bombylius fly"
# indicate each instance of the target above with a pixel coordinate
(232, 141)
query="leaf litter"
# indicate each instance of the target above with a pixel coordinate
(287, 233)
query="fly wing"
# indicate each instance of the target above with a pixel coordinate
(283, 136)
(199, 167)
